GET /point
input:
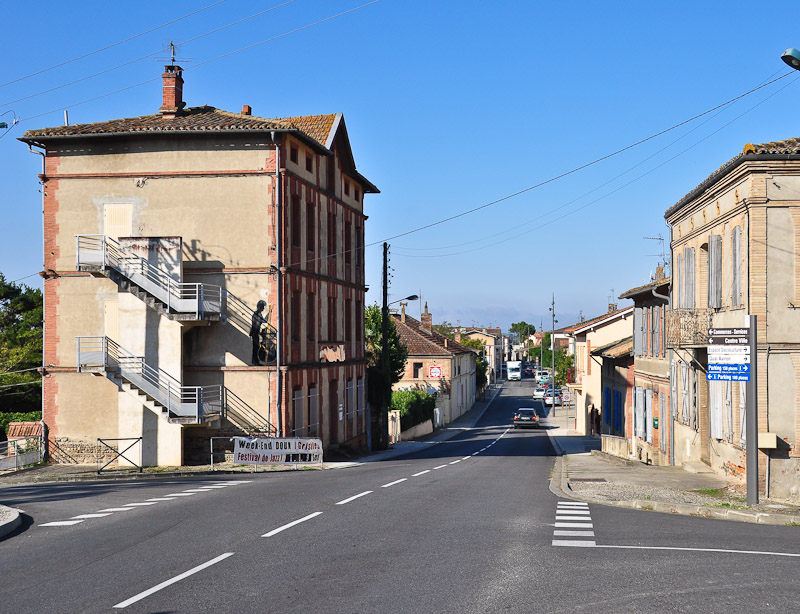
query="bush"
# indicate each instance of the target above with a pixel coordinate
(6, 417)
(415, 406)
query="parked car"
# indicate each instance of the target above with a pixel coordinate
(525, 417)
(539, 393)
(549, 399)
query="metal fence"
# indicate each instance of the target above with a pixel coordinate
(16, 454)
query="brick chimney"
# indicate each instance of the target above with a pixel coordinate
(246, 109)
(426, 319)
(612, 307)
(403, 313)
(172, 92)
(660, 273)
(458, 337)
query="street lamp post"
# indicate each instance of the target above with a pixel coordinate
(553, 352)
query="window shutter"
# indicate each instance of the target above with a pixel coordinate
(677, 295)
(673, 389)
(693, 398)
(688, 277)
(728, 412)
(685, 393)
(715, 271)
(716, 391)
(648, 415)
(639, 411)
(638, 330)
(663, 422)
(736, 270)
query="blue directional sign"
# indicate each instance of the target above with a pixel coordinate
(729, 368)
(728, 377)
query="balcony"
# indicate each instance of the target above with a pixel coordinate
(687, 328)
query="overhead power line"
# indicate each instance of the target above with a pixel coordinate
(112, 45)
(579, 168)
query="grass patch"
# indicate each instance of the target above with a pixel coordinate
(728, 505)
(712, 492)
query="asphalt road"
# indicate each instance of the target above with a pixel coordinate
(468, 525)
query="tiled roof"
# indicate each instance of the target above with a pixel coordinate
(420, 342)
(787, 147)
(193, 119)
(652, 285)
(585, 323)
(616, 349)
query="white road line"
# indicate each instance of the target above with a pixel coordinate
(181, 494)
(195, 490)
(393, 483)
(185, 574)
(466, 458)
(157, 499)
(454, 462)
(573, 504)
(140, 504)
(723, 550)
(61, 523)
(475, 453)
(354, 497)
(440, 467)
(574, 525)
(574, 543)
(97, 515)
(291, 524)
(577, 513)
(216, 486)
(482, 449)
(116, 509)
(416, 475)
(574, 533)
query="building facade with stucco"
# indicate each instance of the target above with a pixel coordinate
(204, 276)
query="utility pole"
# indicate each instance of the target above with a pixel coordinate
(553, 352)
(383, 414)
(541, 345)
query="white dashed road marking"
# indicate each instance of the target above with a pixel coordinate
(419, 473)
(354, 497)
(570, 517)
(291, 524)
(61, 523)
(440, 467)
(393, 483)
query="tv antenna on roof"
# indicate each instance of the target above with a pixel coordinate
(173, 50)
(662, 254)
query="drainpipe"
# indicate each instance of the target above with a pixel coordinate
(671, 353)
(42, 178)
(278, 292)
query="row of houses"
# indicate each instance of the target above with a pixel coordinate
(641, 371)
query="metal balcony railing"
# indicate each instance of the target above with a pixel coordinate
(101, 354)
(95, 252)
(687, 327)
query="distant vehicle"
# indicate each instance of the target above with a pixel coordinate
(539, 393)
(529, 371)
(514, 370)
(525, 417)
(549, 399)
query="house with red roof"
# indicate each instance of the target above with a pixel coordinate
(204, 277)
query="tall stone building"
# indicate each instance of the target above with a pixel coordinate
(204, 275)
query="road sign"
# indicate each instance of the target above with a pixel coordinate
(728, 368)
(738, 332)
(729, 359)
(727, 340)
(728, 349)
(434, 371)
(728, 377)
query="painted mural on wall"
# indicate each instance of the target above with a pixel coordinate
(263, 336)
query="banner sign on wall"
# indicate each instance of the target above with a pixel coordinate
(277, 451)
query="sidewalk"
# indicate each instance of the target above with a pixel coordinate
(585, 473)
(10, 519)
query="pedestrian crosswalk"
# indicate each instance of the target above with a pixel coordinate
(573, 520)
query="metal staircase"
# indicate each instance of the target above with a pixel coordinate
(177, 403)
(175, 300)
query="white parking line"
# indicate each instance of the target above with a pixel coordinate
(61, 523)
(354, 497)
(185, 574)
(291, 524)
(416, 475)
(574, 542)
(393, 483)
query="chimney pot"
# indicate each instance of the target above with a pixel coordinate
(426, 319)
(172, 92)
(246, 110)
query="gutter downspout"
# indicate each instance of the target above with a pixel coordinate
(42, 179)
(278, 292)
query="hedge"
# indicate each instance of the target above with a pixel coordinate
(415, 406)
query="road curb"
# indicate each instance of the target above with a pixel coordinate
(9, 526)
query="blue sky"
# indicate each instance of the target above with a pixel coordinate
(449, 106)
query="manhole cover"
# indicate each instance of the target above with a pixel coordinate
(587, 480)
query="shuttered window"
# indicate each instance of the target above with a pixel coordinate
(736, 267)
(716, 390)
(677, 287)
(648, 415)
(673, 388)
(313, 412)
(715, 271)
(638, 410)
(693, 399)
(688, 277)
(638, 331)
(663, 422)
(685, 411)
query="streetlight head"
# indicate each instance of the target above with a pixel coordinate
(413, 297)
(792, 57)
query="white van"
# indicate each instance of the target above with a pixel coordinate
(514, 368)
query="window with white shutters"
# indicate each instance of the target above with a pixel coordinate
(715, 271)
(688, 277)
(685, 412)
(673, 389)
(693, 399)
(677, 294)
(736, 267)
(648, 415)
(663, 422)
(715, 402)
(638, 395)
(638, 331)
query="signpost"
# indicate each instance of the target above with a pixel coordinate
(730, 360)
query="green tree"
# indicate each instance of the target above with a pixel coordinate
(447, 329)
(481, 364)
(21, 311)
(415, 406)
(563, 362)
(523, 330)
(379, 388)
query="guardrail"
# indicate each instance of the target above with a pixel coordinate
(103, 354)
(100, 251)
